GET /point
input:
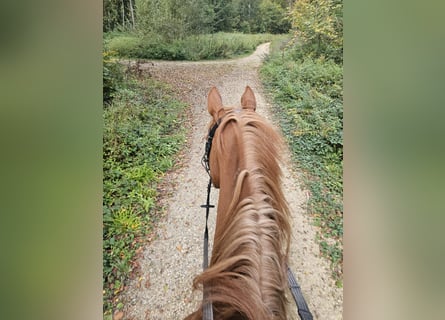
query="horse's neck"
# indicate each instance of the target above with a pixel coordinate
(230, 193)
(234, 183)
(234, 187)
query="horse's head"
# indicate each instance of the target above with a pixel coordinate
(229, 146)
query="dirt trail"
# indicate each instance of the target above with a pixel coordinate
(168, 264)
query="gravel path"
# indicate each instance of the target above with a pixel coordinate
(162, 287)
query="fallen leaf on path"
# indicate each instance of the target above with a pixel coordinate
(147, 283)
(118, 315)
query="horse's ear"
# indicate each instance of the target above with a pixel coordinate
(248, 100)
(214, 103)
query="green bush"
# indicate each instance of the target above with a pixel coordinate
(124, 44)
(272, 18)
(111, 75)
(308, 95)
(143, 130)
(197, 47)
(318, 28)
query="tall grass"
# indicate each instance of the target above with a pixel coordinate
(308, 96)
(143, 130)
(199, 47)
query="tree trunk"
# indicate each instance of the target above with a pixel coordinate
(123, 13)
(132, 13)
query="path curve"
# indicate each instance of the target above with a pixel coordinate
(162, 289)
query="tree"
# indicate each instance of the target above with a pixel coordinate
(248, 11)
(272, 18)
(118, 14)
(262, 15)
(225, 15)
(318, 25)
(151, 15)
(174, 19)
(199, 16)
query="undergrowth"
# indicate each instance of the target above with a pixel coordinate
(308, 100)
(198, 47)
(143, 130)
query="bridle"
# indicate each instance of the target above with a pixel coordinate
(207, 312)
(206, 157)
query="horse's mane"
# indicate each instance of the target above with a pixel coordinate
(246, 277)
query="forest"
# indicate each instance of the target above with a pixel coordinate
(174, 19)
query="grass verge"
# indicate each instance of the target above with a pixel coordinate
(308, 100)
(199, 47)
(143, 130)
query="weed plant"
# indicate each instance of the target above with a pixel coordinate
(143, 130)
(198, 47)
(112, 75)
(308, 99)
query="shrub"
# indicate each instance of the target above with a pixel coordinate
(125, 45)
(196, 47)
(143, 131)
(308, 96)
(112, 76)
(318, 26)
(272, 18)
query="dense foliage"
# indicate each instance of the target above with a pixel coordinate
(112, 76)
(118, 14)
(308, 97)
(318, 26)
(196, 47)
(176, 19)
(305, 80)
(143, 130)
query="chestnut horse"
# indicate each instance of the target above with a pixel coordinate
(246, 278)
